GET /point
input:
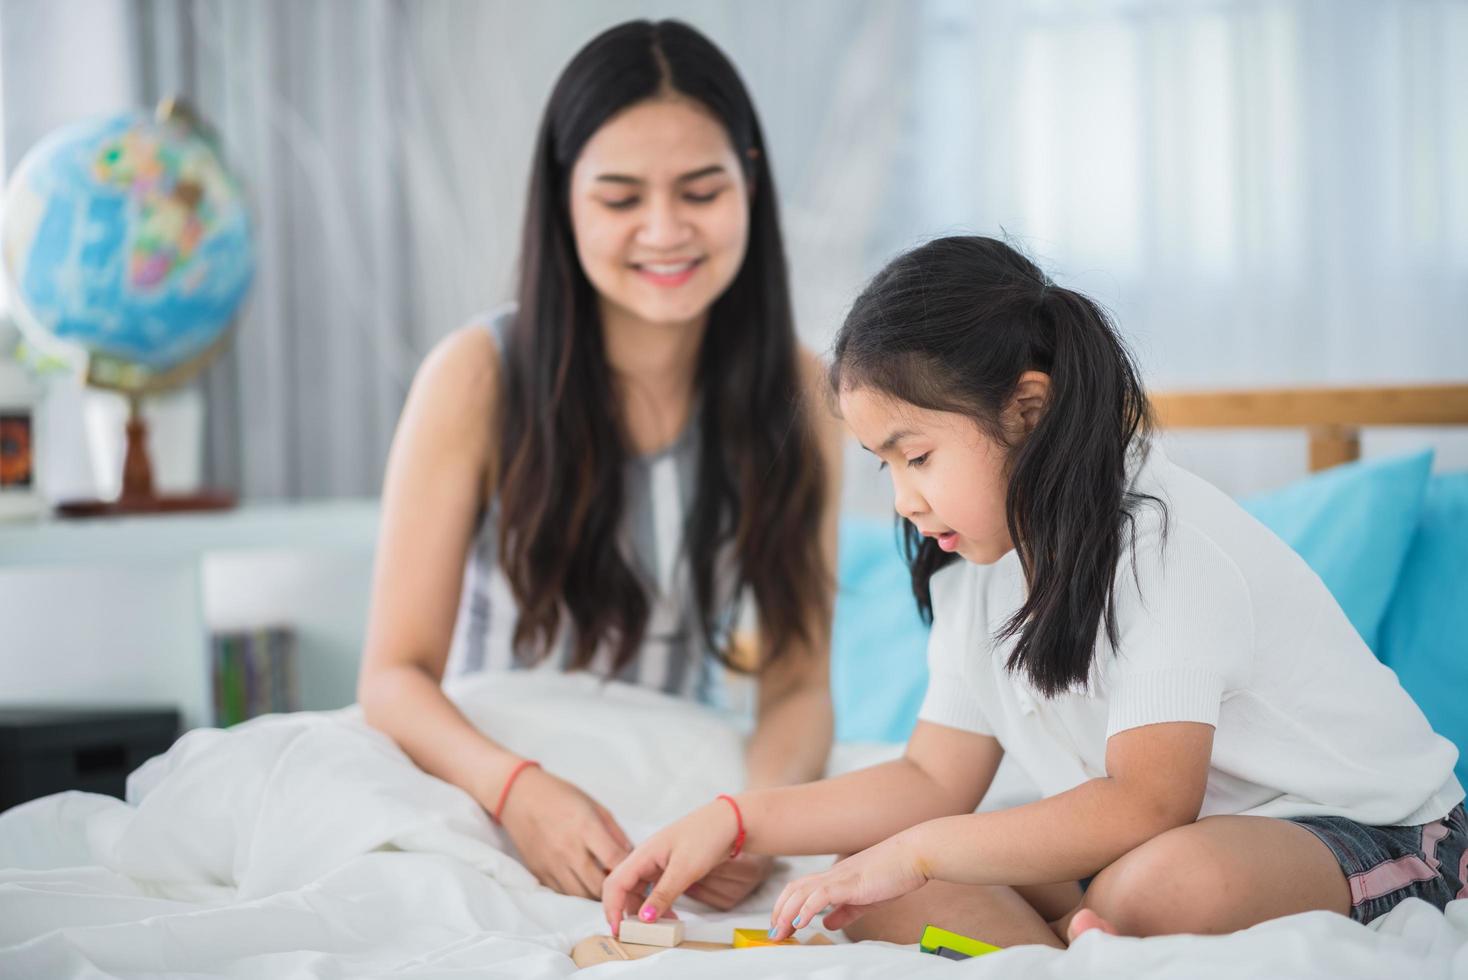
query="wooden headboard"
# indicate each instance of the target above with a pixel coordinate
(1333, 417)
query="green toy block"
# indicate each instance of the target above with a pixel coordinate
(951, 945)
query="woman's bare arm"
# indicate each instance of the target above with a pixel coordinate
(795, 721)
(437, 475)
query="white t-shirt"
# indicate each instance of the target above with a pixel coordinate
(1225, 626)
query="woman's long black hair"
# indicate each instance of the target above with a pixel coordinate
(950, 326)
(760, 483)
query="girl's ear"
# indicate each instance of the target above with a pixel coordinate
(1027, 404)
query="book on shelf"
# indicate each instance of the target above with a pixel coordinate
(254, 673)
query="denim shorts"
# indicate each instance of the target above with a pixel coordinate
(1384, 865)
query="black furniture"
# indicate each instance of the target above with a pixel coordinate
(45, 749)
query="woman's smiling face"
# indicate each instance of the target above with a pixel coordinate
(660, 210)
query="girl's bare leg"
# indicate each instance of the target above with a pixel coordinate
(1218, 875)
(992, 913)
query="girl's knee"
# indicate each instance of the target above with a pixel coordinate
(1175, 883)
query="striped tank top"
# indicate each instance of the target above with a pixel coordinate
(674, 656)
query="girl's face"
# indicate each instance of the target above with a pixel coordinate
(660, 210)
(948, 474)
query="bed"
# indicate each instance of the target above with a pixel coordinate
(308, 845)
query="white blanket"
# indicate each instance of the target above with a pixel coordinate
(308, 845)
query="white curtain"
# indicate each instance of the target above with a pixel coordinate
(386, 145)
(1263, 191)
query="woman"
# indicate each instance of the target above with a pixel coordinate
(638, 444)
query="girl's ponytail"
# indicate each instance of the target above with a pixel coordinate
(1068, 504)
(951, 326)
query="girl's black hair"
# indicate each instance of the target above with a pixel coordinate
(760, 484)
(950, 326)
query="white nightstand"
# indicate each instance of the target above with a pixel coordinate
(118, 611)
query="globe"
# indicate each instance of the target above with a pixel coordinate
(126, 246)
(127, 238)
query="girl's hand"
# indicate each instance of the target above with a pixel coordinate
(851, 888)
(566, 839)
(669, 861)
(733, 881)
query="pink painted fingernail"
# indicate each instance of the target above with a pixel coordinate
(648, 914)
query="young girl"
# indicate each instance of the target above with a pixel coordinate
(593, 479)
(1214, 743)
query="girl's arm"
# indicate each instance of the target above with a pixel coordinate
(1156, 779)
(944, 771)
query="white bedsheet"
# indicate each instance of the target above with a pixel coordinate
(309, 846)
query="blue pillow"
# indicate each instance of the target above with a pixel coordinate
(1352, 524)
(1424, 637)
(879, 644)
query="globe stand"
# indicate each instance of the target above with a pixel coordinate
(138, 496)
(137, 483)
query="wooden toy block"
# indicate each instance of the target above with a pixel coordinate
(750, 938)
(595, 950)
(664, 932)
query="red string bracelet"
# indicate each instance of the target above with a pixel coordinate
(520, 767)
(738, 819)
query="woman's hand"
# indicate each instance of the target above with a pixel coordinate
(733, 881)
(566, 839)
(669, 861)
(851, 888)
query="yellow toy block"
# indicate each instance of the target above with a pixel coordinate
(750, 938)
